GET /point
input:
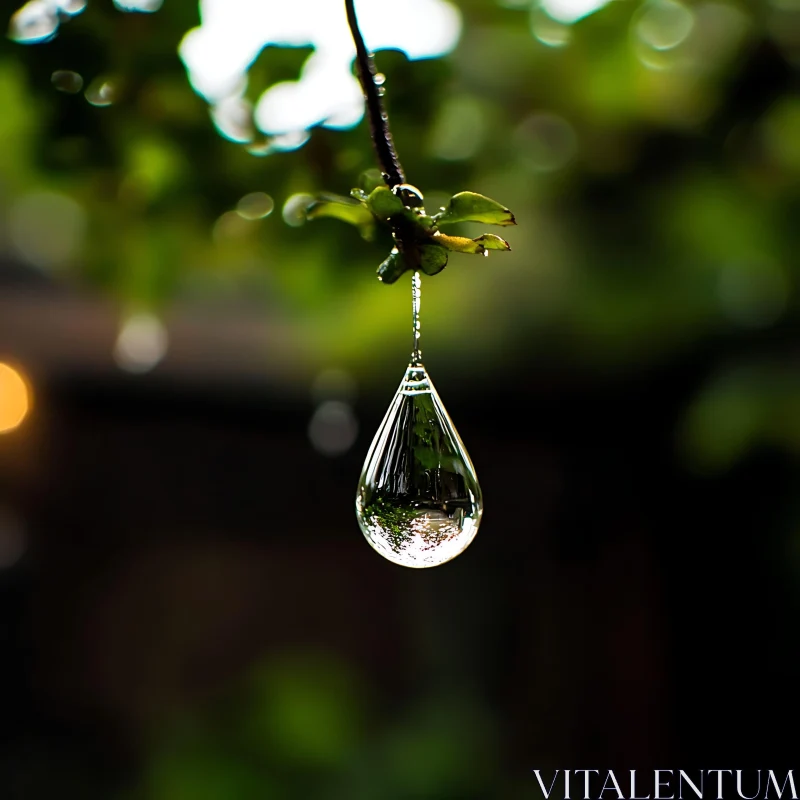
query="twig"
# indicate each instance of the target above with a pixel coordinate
(378, 118)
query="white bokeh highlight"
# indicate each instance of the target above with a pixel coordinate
(218, 54)
(141, 343)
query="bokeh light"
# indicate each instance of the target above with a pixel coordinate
(255, 205)
(218, 53)
(664, 24)
(141, 343)
(569, 11)
(102, 92)
(15, 398)
(67, 81)
(333, 428)
(141, 6)
(47, 228)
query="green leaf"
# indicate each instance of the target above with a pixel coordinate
(491, 242)
(392, 268)
(421, 221)
(432, 258)
(472, 207)
(345, 209)
(459, 244)
(384, 204)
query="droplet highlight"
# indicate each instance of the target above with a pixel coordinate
(418, 502)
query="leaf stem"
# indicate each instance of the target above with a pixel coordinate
(378, 118)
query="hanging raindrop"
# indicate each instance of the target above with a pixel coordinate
(418, 502)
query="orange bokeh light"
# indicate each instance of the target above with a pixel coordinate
(15, 400)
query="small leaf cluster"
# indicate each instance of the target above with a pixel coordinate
(419, 244)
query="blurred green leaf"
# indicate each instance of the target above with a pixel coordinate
(345, 209)
(304, 711)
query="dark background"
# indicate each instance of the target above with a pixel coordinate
(188, 610)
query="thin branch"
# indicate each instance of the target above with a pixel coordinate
(378, 118)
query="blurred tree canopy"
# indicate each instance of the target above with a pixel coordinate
(649, 150)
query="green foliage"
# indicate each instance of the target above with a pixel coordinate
(472, 207)
(419, 245)
(432, 258)
(491, 242)
(384, 204)
(392, 267)
(347, 210)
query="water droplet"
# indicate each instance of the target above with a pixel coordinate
(418, 501)
(410, 195)
(379, 79)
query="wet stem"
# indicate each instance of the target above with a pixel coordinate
(378, 118)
